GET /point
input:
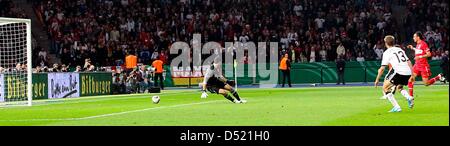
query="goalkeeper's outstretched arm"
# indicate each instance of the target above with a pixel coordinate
(204, 94)
(203, 85)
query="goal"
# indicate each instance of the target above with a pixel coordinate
(15, 62)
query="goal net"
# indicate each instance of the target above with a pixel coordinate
(15, 62)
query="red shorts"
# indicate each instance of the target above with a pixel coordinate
(422, 70)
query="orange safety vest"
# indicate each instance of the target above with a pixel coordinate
(283, 63)
(158, 64)
(131, 61)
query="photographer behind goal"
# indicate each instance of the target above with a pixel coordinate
(216, 83)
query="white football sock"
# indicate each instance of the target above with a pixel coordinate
(406, 95)
(391, 98)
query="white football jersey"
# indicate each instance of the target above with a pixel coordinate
(216, 72)
(398, 59)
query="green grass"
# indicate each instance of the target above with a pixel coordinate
(355, 106)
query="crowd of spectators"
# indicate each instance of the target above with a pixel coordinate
(17, 69)
(310, 30)
(9, 9)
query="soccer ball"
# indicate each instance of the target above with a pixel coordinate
(156, 99)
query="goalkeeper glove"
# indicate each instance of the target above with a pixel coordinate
(204, 94)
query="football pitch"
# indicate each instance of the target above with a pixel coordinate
(320, 106)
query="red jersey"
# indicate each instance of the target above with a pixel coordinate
(422, 49)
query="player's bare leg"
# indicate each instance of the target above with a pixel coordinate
(385, 84)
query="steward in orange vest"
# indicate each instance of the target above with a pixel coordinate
(158, 74)
(285, 67)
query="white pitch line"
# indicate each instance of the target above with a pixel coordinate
(92, 99)
(112, 114)
(103, 99)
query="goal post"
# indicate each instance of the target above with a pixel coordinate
(15, 62)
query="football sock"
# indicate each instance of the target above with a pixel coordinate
(391, 98)
(229, 97)
(235, 94)
(411, 88)
(433, 80)
(406, 94)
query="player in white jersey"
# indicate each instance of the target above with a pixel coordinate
(399, 88)
(216, 83)
(398, 76)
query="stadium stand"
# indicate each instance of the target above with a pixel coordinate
(310, 30)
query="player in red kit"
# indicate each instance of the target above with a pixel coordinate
(421, 66)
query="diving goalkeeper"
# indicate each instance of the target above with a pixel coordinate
(216, 83)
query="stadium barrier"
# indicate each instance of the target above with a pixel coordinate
(92, 84)
(58, 85)
(305, 73)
